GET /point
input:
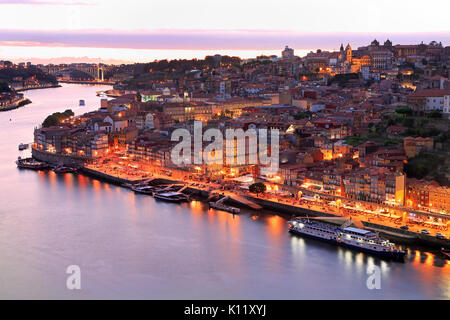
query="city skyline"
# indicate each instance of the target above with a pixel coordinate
(92, 29)
(225, 151)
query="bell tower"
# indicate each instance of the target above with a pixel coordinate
(348, 53)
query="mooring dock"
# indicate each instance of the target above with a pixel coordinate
(237, 198)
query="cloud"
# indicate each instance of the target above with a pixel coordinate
(46, 2)
(204, 39)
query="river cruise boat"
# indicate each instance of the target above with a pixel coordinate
(354, 238)
(30, 163)
(172, 196)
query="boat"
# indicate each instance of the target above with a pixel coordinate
(149, 190)
(64, 169)
(172, 196)
(446, 253)
(30, 163)
(223, 207)
(23, 146)
(350, 237)
(82, 103)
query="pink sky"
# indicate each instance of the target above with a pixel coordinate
(135, 30)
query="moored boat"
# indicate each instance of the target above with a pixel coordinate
(172, 196)
(354, 238)
(64, 169)
(148, 190)
(23, 146)
(223, 207)
(30, 163)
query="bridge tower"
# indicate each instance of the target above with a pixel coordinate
(100, 73)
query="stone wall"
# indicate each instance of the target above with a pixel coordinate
(56, 158)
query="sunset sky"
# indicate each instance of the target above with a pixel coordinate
(136, 30)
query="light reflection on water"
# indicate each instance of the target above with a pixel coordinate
(133, 246)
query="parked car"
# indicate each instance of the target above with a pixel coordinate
(424, 231)
(404, 227)
(440, 236)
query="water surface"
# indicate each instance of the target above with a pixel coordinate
(135, 247)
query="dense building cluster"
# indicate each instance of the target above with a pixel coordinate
(356, 124)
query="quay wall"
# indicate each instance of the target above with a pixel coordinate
(39, 87)
(281, 208)
(104, 177)
(416, 238)
(433, 241)
(87, 82)
(288, 209)
(56, 158)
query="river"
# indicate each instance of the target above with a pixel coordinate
(132, 247)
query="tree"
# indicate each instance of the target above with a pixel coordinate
(302, 115)
(435, 114)
(408, 122)
(50, 121)
(55, 118)
(4, 87)
(257, 188)
(403, 110)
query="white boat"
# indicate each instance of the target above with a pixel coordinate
(223, 207)
(172, 196)
(31, 163)
(149, 190)
(354, 238)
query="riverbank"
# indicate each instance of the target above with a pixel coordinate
(287, 211)
(119, 177)
(57, 158)
(16, 105)
(88, 82)
(53, 220)
(39, 87)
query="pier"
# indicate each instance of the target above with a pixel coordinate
(239, 199)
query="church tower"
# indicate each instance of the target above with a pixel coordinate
(348, 53)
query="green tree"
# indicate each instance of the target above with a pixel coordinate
(50, 121)
(435, 114)
(257, 188)
(403, 110)
(55, 118)
(408, 122)
(302, 115)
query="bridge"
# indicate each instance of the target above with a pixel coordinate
(94, 70)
